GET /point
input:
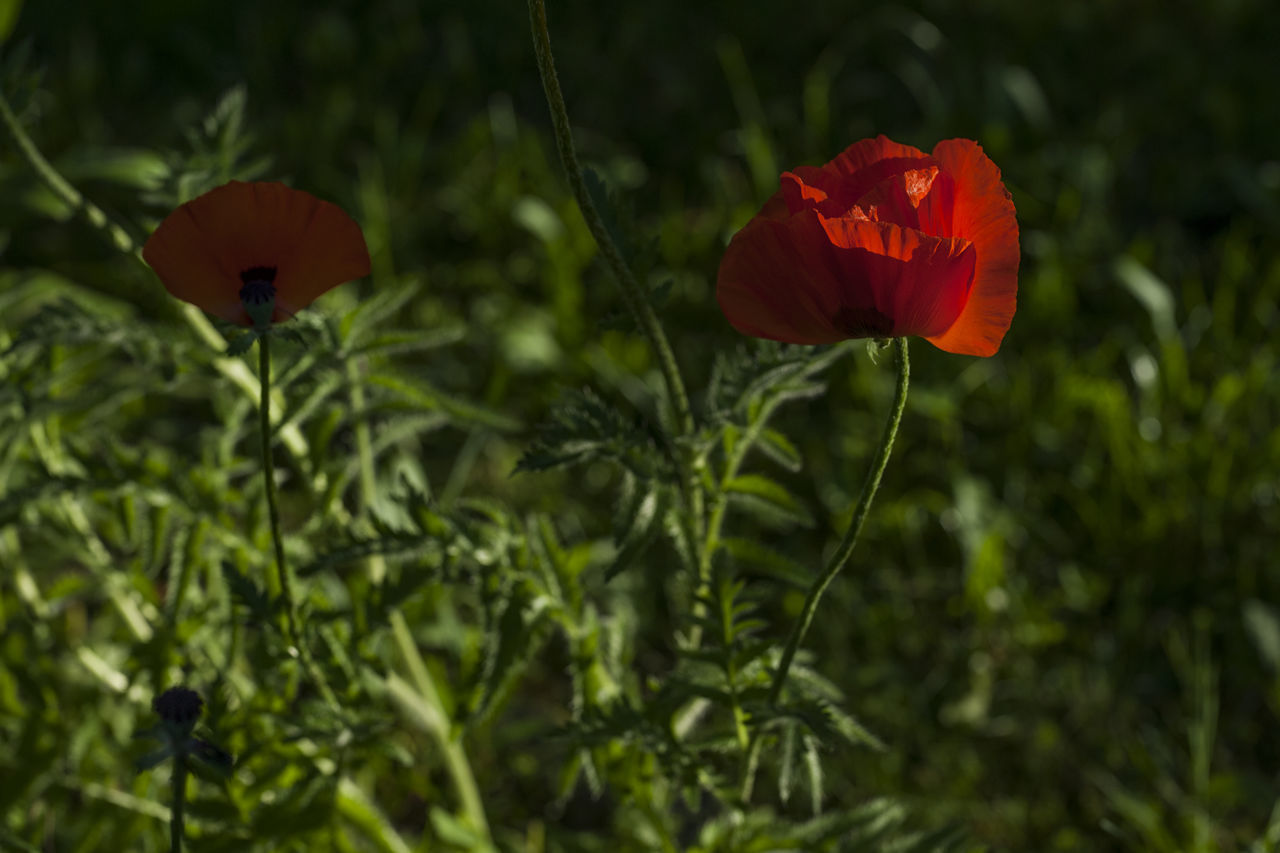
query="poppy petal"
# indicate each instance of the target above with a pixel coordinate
(189, 260)
(868, 152)
(834, 193)
(201, 249)
(771, 286)
(813, 280)
(974, 205)
(330, 250)
(917, 283)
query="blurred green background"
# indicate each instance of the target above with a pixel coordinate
(1063, 617)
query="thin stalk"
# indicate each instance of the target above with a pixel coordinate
(177, 823)
(294, 633)
(632, 293)
(842, 553)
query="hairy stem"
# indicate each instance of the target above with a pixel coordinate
(842, 553)
(632, 292)
(177, 828)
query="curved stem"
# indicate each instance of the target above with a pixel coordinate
(842, 552)
(294, 633)
(632, 292)
(177, 823)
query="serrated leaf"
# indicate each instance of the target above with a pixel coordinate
(645, 526)
(583, 427)
(419, 394)
(603, 203)
(786, 772)
(375, 309)
(513, 644)
(248, 593)
(772, 495)
(779, 448)
(773, 563)
(453, 831)
(397, 342)
(813, 767)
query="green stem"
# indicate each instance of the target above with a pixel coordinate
(632, 293)
(842, 553)
(176, 819)
(294, 633)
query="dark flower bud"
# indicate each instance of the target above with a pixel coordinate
(179, 706)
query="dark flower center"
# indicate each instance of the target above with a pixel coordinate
(178, 705)
(258, 285)
(863, 322)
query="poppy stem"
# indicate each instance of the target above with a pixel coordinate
(177, 821)
(842, 552)
(632, 292)
(294, 633)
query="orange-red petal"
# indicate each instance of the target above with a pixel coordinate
(815, 280)
(975, 206)
(868, 152)
(200, 250)
(921, 283)
(772, 284)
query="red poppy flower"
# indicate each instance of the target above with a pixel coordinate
(883, 241)
(241, 245)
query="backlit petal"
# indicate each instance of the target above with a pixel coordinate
(812, 280)
(980, 211)
(772, 282)
(200, 250)
(868, 152)
(921, 283)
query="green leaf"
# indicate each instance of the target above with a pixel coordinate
(419, 394)
(779, 448)
(453, 831)
(644, 525)
(771, 562)
(374, 310)
(404, 342)
(813, 766)
(356, 808)
(771, 495)
(583, 427)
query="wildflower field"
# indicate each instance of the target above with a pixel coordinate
(562, 426)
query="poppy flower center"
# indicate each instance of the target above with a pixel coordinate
(259, 287)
